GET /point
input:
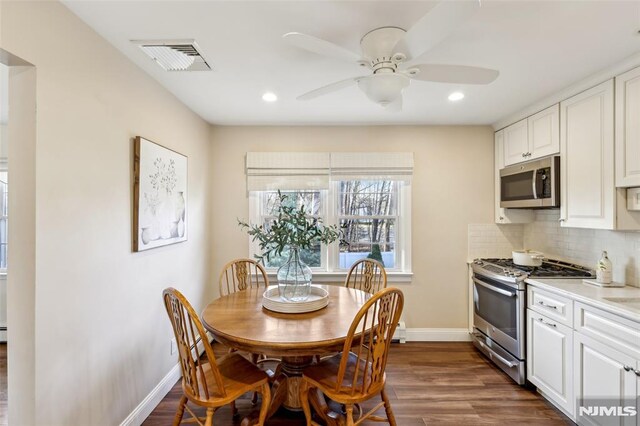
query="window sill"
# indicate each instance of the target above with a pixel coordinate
(340, 277)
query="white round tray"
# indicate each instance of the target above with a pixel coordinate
(318, 299)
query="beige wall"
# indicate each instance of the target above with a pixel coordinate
(452, 188)
(102, 336)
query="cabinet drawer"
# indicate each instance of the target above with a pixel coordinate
(612, 330)
(554, 306)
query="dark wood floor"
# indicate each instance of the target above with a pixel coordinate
(4, 421)
(428, 384)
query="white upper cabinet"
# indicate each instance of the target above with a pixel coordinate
(534, 137)
(516, 143)
(505, 216)
(628, 129)
(587, 163)
(544, 132)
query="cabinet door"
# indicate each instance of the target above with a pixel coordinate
(516, 143)
(549, 359)
(544, 132)
(628, 129)
(586, 168)
(604, 378)
(505, 216)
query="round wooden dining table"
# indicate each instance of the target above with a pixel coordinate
(239, 321)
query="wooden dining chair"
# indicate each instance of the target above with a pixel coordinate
(367, 275)
(358, 373)
(241, 274)
(208, 382)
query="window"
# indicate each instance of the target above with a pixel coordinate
(368, 195)
(267, 212)
(4, 197)
(368, 215)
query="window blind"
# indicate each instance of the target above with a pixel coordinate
(313, 170)
(287, 170)
(372, 165)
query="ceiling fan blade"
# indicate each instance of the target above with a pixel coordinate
(460, 74)
(395, 106)
(333, 87)
(321, 47)
(436, 25)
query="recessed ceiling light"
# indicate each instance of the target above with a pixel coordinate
(269, 97)
(456, 96)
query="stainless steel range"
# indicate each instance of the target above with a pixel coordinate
(499, 298)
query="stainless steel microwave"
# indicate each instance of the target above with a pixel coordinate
(531, 185)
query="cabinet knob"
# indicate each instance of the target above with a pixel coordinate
(627, 368)
(524, 154)
(560, 220)
(636, 372)
(501, 218)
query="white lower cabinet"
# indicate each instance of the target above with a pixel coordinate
(588, 366)
(549, 359)
(604, 377)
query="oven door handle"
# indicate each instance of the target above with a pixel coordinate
(494, 288)
(533, 183)
(494, 355)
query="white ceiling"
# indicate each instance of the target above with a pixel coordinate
(538, 46)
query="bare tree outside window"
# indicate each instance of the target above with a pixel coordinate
(367, 211)
(368, 214)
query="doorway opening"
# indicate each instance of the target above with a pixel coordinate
(17, 240)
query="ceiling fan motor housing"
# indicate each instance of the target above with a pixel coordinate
(380, 45)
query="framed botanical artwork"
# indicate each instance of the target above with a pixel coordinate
(159, 196)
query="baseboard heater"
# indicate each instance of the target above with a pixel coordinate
(400, 334)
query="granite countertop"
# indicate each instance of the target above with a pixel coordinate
(593, 295)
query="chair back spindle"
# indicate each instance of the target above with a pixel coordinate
(241, 274)
(367, 275)
(365, 352)
(188, 332)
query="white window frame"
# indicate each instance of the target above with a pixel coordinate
(4, 168)
(332, 273)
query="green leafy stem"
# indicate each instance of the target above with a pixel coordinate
(292, 228)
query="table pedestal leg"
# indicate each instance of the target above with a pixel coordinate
(285, 392)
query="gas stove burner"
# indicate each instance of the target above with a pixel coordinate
(549, 269)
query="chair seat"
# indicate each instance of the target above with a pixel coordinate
(238, 375)
(324, 376)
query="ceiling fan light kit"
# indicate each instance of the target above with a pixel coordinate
(385, 88)
(388, 52)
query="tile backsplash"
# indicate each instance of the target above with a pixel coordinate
(490, 240)
(581, 246)
(585, 246)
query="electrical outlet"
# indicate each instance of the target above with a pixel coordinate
(174, 346)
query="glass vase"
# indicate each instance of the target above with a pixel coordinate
(294, 278)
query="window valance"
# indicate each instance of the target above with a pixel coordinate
(313, 170)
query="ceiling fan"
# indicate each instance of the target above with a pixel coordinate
(388, 52)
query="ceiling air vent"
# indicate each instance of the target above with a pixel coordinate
(174, 55)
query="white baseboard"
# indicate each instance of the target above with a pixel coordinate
(438, 335)
(149, 403)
